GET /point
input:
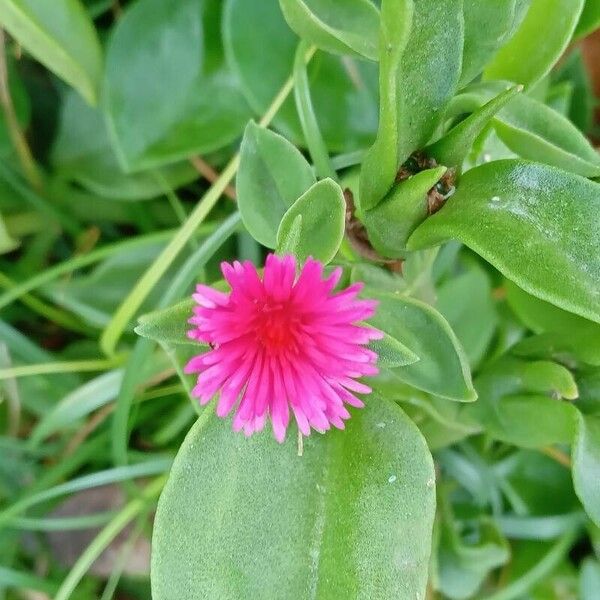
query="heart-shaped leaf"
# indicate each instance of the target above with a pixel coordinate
(538, 225)
(352, 517)
(314, 224)
(350, 27)
(272, 175)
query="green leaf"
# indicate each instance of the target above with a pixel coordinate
(466, 301)
(380, 165)
(169, 325)
(524, 59)
(465, 563)
(575, 72)
(415, 85)
(519, 403)
(61, 36)
(320, 230)
(334, 82)
(82, 153)
(589, 20)
(589, 582)
(442, 368)
(535, 421)
(7, 243)
(586, 465)
(567, 332)
(350, 518)
(21, 104)
(190, 104)
(535, 131)
(488, 26)
(272, 175)
(537, 225)
(452, 149)
(392, 221)
(392, 353)
(350, 27)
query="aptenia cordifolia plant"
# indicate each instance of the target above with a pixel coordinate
(300, 300)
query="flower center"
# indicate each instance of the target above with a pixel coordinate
(275, 325)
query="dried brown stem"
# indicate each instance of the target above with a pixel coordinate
(210, 174)
(557, 455)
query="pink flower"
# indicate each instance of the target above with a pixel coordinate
(281, 343)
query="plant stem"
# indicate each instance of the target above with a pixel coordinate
(18, 139)
(557, 455)
(308, 119)
(210, 174)
(75, 366)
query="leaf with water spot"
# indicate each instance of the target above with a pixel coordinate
(249, 518)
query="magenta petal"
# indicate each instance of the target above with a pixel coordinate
(283, 344)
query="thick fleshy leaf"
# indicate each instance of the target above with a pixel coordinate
(82, 152)
(61, 36)
(519, 402)
(589, 20)
(350, 27)
(565, 332)
(535, 131)
(442, 368)
(190, 104)
(488, 26)
(536, 224)
(314, 224)
(466, 301)
(352, 517)
(271, 177)
(169, 325)
(333, 82)
(392, 353)
(464, 564)
(586, 465)
(391, 222)
(452, 149)
(534, 421)
(524, 59)
(415, 85)
(574, 72)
